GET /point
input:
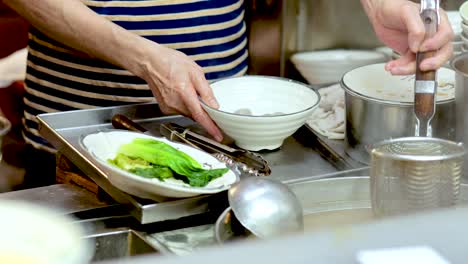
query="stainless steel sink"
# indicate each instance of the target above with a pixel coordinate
(120, 244)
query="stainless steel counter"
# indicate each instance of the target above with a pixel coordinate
(302, 155)
(441, 231)
(66, 198)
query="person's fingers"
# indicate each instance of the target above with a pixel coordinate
(402, 66)
(192, 103)
(204, 90)
(414, 26)
(443, 36)
(440, 57)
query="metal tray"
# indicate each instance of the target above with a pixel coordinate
(333, 149)
(304, 155)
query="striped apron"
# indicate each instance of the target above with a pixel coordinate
(211, 32)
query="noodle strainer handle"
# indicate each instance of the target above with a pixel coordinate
(425, 83)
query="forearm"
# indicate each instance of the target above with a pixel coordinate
(73, 23)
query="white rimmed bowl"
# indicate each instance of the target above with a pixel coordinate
(328, 66)
(287, 103)
(103, 146)
(37, 234)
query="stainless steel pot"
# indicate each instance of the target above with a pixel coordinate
(460, 65)
(370, 120)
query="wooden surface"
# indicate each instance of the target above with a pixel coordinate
(68, 173)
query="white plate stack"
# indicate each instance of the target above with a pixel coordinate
(463, 15)
(455, 21)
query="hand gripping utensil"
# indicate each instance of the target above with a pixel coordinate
(425, 87)
(248, 162)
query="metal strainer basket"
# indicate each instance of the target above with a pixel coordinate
(415, 173)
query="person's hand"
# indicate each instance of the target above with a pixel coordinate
(397, 23)
(176, 81)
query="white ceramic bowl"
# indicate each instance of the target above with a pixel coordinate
(103, 146)
(328, 66)
(244, 102)
(36, 234)
(463, 10)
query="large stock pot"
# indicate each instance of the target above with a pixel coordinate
(379, 106)
(460, 65)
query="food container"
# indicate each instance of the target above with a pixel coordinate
(379, 106)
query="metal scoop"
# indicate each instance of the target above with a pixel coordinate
(425, 87)
(267, 208)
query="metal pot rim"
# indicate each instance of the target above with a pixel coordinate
(352, 92)
(374, 152)
(454, 61)
(219, 222)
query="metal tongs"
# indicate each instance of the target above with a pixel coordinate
(246, 161)
(425, 87)
(249, 162)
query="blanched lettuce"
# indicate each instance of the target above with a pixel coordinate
(155, 159)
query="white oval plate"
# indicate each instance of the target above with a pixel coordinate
(104, 145)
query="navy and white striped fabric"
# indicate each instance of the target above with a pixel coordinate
(211, 32)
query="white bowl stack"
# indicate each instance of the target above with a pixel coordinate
(455, 21)
(463, 23)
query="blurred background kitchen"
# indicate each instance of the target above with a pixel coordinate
(277, 30)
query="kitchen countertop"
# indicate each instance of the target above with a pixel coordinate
(440, 232)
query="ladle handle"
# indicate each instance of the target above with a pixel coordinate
(430, 19)
(122, 122)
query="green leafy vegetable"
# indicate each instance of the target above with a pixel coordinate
(141, 167)
(155, 159)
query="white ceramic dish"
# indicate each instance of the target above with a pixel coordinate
(104, 145)
(374, 82)
(328, 66)
(36, 234)
(290, 102)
